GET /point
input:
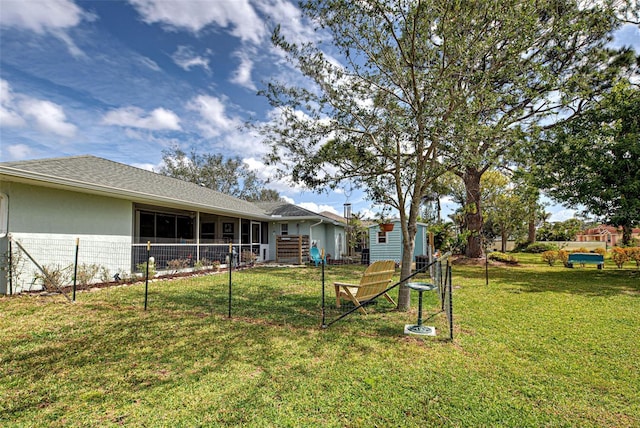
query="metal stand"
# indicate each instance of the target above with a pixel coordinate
(418, 328)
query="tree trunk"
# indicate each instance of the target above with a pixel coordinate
(504, 237)
(408, 245)
(626, 234)
(532, 229)
(473, 212)
(532, 206)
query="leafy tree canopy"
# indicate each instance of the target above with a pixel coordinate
(230, 176)
(399, 91)
(594, 160)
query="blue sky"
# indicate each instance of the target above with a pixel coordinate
(124, 80)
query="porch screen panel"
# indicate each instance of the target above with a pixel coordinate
(165, 228)
(147, 227)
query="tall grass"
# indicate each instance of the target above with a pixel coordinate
(538, 346)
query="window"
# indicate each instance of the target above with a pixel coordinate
(164, 227)
(382, 237)
(284, 229)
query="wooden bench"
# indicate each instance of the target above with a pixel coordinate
(586, 258)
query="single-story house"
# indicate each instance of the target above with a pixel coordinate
(611, 235)
(388, 245)
(293, 227)
(109, 211)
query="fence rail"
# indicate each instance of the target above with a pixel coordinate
(37, 263)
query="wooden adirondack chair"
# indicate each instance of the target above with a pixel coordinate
(375, 279)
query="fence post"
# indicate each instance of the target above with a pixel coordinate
(75, 269)
(10, 268)
(299, 249)
(146, 282)
(230, 267)
(324, 325)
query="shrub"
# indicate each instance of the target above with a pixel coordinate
(550, 257)
(177, 264)
(540, 247)
(248, 256)
(580, 250)
(86, 273)
(619, 256)
(563, 256)
(600, 251)
(634, 254)
(502, 257)
(142, 267)
(105, 274)
(53, 276)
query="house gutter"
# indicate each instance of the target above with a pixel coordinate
(311, 229)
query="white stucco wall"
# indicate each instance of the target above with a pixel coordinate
(48, 221)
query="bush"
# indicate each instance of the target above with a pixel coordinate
(54, 276)
(142, 267)
(248, 256)
(550, 257)
(176, 265)
(634, 254)
(580, 250)
(540, 247)
(619, 256)
(502, 257)
(563, 256)
(600, 251)
(86, 273)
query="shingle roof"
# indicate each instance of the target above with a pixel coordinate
(102, 176)
(285, 209)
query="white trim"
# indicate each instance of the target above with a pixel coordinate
(4, 215)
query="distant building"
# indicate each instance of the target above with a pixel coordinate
(611, 235)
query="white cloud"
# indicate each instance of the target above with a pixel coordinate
(288, 199)
(49, 117)
(149, 63)
(18, 109)
(40, 16)
(186, 58)
(366, 213)
(561, 214)
(134, 117)
(237, 15)
(18, 151)
(242, 75)
(10, 118)
(268, 173)
(8, 114)
(53, 17)
(288, 15)
(317, 208)
(146, 166)
(215, 119)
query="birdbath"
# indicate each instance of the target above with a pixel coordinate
(418, 328)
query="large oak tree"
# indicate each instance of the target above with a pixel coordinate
(401, 91)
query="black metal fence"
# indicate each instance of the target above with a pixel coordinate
(36, 263)
(66, 265)
(438, 274)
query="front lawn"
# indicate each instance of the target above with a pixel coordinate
(538, 346)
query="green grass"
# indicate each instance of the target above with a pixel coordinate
(538, 346)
